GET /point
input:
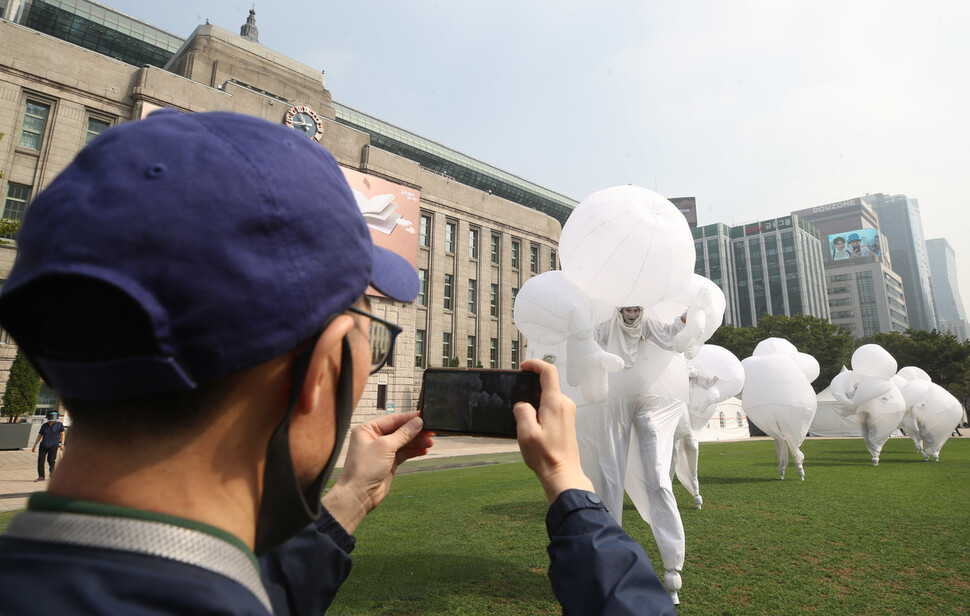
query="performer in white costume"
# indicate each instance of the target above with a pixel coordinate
(646, 399)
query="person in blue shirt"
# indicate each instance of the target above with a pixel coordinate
(50, 438)
(196, 288)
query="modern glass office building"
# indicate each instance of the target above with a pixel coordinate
(865, 294)
(769, 267)
(866, 298)
(950, 312)
(901, 223)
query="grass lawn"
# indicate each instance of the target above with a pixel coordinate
(851, 539)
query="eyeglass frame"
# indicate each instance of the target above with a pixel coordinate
(393, 330)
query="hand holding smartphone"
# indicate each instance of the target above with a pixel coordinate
(475, 402)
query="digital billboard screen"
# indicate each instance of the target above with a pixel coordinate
(852, 244)
(687, 207)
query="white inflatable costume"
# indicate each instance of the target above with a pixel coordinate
(778, 397)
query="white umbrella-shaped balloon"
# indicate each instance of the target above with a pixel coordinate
(937, 414)
(880, 404)
(715, 374)
(627, 246)
(908, 380)
(778, 397)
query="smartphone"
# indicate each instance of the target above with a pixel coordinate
(475, 401)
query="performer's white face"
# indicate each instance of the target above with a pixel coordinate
(630, 314)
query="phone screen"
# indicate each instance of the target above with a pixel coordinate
(477, 402)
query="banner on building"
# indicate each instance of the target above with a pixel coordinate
(856, 243)
(391, 211)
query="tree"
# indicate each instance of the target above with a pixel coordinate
(739, 340)
(23, 386)
(942, 356)
(831, 345)
(454, 363)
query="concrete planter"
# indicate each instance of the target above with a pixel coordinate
(14, 436)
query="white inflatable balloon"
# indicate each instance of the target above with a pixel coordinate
(869, 393)
(545, 306)
(937, 414)
(879, 418)
(913, 383)
(778, 397)
(843, 388)
(715, 375)
(873, 360)
(627, 246)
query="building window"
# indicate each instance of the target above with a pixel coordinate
(472, 296)
(448, 288)
(493, 353)
(424, 231)
(382, 397)
(34, 125)
(552, 260)
(47, 400)
(445, 348)
(422, 287)
(515, 293)
(515, 354)
(534, 259)
(16, 204)
(95, 128)
(515, 254)
(495, 244)
(450, 228)
(473, 243)
(493, 300)
(419, 348)
(472, 352)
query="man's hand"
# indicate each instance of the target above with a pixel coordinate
(547, 436)
(376, 449)
(34, 450)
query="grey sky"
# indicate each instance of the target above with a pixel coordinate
(755, 108)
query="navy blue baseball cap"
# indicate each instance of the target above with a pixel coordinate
(237, 237)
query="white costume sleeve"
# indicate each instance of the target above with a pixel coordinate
(662, 334)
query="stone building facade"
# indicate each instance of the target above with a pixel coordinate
(480, 248)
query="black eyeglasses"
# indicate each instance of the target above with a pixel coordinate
(382, 334)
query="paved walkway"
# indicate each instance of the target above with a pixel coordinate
(18, 468)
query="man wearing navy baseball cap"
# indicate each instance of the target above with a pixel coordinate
(194, 286)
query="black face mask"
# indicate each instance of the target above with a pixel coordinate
(285, 509)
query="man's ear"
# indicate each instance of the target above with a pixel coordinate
(324, 366)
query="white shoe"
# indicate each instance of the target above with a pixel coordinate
(698, 501)
(672, 583)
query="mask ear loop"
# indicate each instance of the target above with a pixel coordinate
(285, 509)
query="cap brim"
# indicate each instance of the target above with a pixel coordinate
(393, 276)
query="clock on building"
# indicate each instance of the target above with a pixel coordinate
(304, 120)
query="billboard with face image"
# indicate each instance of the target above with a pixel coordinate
(853, 244)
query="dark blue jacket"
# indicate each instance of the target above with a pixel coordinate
(595, 568)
